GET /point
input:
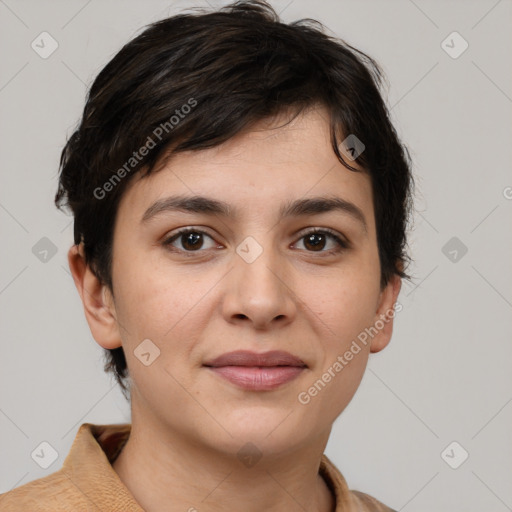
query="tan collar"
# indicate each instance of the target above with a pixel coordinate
(89, 466)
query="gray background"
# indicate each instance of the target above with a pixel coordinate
(446, 374)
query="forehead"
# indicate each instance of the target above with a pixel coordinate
(273, 162)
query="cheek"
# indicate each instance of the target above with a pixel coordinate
(164, 305)
(341, 305)
(167, 310)
(342, 314)
(340, 309)
(156, 296)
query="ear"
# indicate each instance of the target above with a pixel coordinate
(97, 300)
(385, 314)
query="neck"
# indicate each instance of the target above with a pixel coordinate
(168, 471)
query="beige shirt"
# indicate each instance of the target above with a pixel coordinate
(87, 482)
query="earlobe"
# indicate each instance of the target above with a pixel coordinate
(385, 314)
(99, 312)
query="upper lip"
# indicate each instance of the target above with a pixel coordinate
(248, 358)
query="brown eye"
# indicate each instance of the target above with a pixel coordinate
(190, 240)
(318, 240)
(315, 241)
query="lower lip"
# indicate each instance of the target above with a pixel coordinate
(257, 378)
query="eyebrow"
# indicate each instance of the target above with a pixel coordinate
(296, 208)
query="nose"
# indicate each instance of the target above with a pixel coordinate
(259, 292)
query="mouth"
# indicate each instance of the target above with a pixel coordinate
(257, 372)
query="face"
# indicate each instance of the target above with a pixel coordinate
(261, 276)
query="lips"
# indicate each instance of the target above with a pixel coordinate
(257, 372)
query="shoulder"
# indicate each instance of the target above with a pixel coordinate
(85, 482)
(367, 503)
(53, 492)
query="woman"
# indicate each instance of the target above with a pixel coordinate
(240, 202)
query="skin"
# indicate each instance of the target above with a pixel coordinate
(187, 422)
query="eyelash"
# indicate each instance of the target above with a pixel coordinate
(342, 244)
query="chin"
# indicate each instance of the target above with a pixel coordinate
(273, 428)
